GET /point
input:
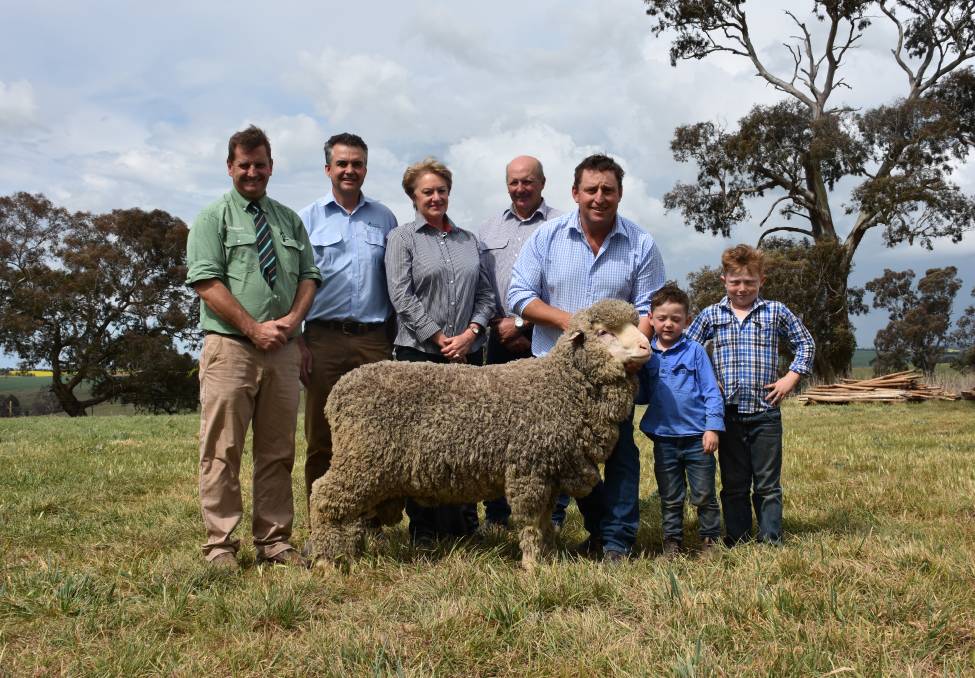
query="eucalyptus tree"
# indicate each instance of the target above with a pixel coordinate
(787, 159)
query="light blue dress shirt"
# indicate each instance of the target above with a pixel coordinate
(557, 266)
(349, 251)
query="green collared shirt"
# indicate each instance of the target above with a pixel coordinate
(222, 245)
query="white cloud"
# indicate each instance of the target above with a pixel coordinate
(17, 105)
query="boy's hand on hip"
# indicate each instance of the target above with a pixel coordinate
(781, 388)
(710, 442)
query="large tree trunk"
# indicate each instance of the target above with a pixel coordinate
(69, 403)
(836, 341)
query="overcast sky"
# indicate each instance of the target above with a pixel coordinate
(112, 105)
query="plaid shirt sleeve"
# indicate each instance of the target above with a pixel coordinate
(799, 338)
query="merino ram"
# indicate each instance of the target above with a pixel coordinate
(443, 434)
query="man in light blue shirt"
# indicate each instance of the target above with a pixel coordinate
(570, 263)
(350, 321)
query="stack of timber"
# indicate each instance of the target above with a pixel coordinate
(898, 387)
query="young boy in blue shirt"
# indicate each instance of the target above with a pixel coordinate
(684, 416)
(746, 330)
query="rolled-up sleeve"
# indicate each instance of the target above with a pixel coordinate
(713, 400)
(527, 276)
(800, 340)
(399, 281)
(205, 258)
(650, 278)
(485, 301)
(307, 270)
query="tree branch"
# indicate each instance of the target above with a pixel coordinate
(777, 229)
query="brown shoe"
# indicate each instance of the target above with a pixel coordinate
(671, 548)
(611, 557)
(224, 562)
(709, 546)
(289, 558)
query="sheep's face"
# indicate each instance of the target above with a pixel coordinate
(627, 344)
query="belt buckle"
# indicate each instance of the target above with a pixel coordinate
(349, 327)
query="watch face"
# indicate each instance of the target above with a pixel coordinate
(519, 321)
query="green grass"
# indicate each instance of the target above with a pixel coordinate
(102, 573)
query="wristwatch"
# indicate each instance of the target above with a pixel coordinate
(519, 322)
(475, 328)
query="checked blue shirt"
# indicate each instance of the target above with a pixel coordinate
(557, 266)
(746, 352)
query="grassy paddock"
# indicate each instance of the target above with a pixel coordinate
(101, 572)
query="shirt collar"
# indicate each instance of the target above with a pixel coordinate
(420, 222)
(542, 210)
(618, 226)
(726, 304)
(243, 202)
(680, 342)
(329, 199)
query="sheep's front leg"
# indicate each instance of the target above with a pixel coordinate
(532, 502)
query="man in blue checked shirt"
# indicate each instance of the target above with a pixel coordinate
(745, 330)
(570, 263)
(350, 320)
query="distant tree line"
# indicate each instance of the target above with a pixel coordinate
(100, 299)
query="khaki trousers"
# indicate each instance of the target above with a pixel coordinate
(334, 353)
(240, 386)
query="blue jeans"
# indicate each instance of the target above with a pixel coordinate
(750, 457)
(673, 460)
(611, 512)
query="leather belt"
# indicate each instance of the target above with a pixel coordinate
(346, 326)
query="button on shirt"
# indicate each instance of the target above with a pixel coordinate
(436, 282)
(746, 352)
(501, 241)
(681, 391)
(349, 250)
(222, 245)
(558, 266)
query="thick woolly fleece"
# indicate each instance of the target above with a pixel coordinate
(528, 429)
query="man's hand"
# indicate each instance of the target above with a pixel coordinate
(267, 336)
(506, 330)
(781, 388)
(710, 442)
(304, 365)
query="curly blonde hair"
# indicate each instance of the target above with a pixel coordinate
(425, 166)
(743, 258)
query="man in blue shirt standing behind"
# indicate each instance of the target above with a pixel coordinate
(570, 263)
(350, 321)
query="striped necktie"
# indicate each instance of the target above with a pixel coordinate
(265, 248)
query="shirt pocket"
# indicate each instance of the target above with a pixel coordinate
(326, 243)
(763, 333)
(374, 236)
(725, 332)
(684, 378)
(241, 251)
(290, 254)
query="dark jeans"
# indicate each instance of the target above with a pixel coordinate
(432, 522)
(675, 459)
(497, 511)
(611, 512)
(750, 457)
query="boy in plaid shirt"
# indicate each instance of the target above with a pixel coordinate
(746, 330)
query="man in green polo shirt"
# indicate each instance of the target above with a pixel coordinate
(250, 261)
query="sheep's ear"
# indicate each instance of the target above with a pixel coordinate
(577, 338)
